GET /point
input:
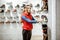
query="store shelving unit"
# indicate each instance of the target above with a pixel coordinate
(8, 17)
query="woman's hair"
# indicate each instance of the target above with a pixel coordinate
(25, 7)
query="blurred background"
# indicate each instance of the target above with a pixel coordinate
(10, 13)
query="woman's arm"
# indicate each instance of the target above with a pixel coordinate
(28, 20)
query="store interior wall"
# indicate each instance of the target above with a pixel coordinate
(54, 23)
(52, 20)
(49, 19)
(58, 20)
(14, 31)
(36, 32)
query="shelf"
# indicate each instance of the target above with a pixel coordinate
(2, 22)
(14, 22)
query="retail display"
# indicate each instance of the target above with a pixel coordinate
(12, 13)
(45, 5)
(44, 27)
(17, 6)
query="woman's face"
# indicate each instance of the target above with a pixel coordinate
(25, 9)
(29, 9)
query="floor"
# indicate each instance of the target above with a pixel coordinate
(14, 32)
(36, 37)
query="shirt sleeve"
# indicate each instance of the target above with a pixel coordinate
(28, 20)
(33, 18)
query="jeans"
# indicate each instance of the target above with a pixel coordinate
(27, 34)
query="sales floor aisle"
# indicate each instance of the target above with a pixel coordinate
(13, 31)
